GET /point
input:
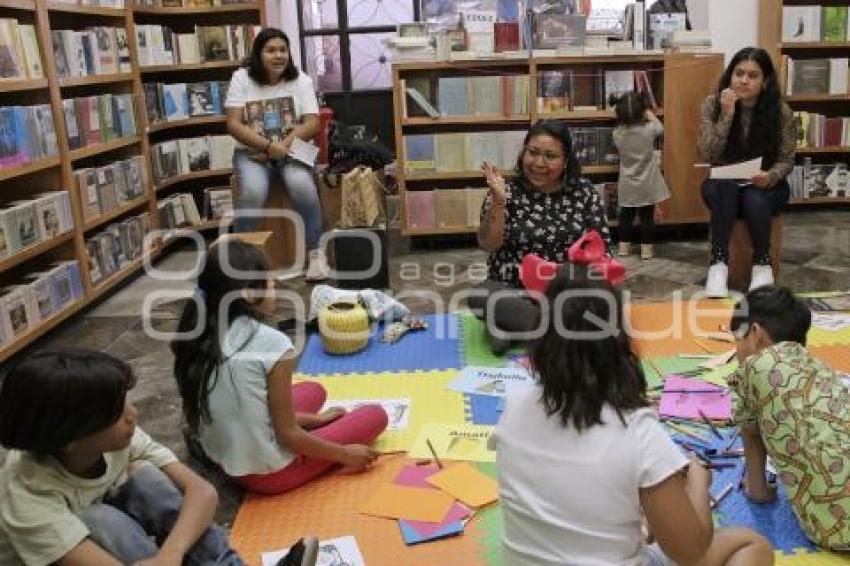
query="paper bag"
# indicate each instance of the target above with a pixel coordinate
(362, 198)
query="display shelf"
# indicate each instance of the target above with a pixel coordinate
(35, 250)
(28, 168)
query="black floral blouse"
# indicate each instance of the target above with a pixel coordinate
(545, 224)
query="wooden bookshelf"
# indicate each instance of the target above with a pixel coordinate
(818, 98)
(683, 80)
(13, 85)
(821, 200)
(96, 80)
(196, 121)
(816, 150)
(820, 45)
(192, 176)
(56, 172)
(26, 169)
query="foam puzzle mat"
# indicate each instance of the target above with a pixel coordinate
(418, 369)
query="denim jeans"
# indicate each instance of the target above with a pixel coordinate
(254, 180)
(132, 524)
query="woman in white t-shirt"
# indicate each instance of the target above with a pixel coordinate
(582, 457)
(259, 105)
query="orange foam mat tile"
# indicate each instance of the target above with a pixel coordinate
(837, 357)
(670, 328)
(330, 507)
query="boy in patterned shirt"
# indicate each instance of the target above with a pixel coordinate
(795, 409)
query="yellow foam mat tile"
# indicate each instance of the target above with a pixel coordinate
(329, 507)
(821, 337)
(804, 558)
(430, 400)
(672, 328)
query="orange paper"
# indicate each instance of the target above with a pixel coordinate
(467, 484)
(411, 503)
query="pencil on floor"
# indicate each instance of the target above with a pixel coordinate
(715, 501)
(707, 421)
(732, 439)
(434, 453)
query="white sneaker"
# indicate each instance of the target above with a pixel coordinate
(762, 275)
(317, 266)
(716, 284)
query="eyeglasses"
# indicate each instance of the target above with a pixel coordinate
(548, 156)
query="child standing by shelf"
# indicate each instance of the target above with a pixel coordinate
(794, 409)
(641, 186)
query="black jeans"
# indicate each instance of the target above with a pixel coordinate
(513, 310)
(728, 201)
(625, 223)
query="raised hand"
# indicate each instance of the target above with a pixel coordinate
(728, 98)
(495, 183)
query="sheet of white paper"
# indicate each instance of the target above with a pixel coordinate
(304, 152)
(333, 552)
(496, 382)
(398, 410)
(743, 170)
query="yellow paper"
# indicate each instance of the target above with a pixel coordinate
(411, 503)
(467, 484)
(454, 442)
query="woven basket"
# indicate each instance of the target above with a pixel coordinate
(344, 328)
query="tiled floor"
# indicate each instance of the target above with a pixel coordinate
(816, 257)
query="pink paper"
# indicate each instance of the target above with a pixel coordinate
(414, 476)
(426, 529)
(716, 406)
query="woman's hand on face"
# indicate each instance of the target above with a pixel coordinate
(728, 98)
(760, 179)
(495, 183)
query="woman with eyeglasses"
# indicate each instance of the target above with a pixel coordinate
(543, 210)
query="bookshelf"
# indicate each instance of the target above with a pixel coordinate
(57, 172)
(830, 106)
(680, 82)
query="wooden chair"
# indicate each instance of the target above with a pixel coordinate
(741, 252)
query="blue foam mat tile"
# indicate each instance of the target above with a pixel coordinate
(483, 409)
(436, 348)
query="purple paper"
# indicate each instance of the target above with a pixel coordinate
(425, 529)
(414, 476)
(715, 405)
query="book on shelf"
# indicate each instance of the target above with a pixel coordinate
(103, 189)
(816, 76)
(618, 83)
(554, 89)
(450, 152)
(194, 154)
(421, 209)
(423, 104)
(819, 180)
(27, 133)
(116, 244)
(557, 31)
(32, 54)
(19, 53)
(419, 152)
(834, 24)
(474, 202)
(452, 96)
(221, 152)
(451, 207)
(480, 147)
(188, 51)
(95, 119)
(218, 203)
(186, 155)
(661, 27)
(29, 222)
(175, 99)
(213, 43)
(204, 99)
(801, 24)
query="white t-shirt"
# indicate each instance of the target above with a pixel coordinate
(244, 89)
(241, 437)
(570, 498)
(39, 500)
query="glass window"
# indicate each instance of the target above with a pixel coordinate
(323, 62)
(320, 14)
(370, 64)
(363, 13)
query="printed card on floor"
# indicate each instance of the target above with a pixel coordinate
(454, 442)
(397, 410)
(492, 381)
(686, 398)
(332, 552)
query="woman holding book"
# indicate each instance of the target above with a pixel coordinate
(746, 119)
(270, 76)
(543, 210)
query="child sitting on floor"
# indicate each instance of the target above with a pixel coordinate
(235, 377)
(796, 410)
(582, 455)
(83, 485)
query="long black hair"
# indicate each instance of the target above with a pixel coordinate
(225, 275)
(579, 372)
(630, 108)
(559, 131)
(53, 398)
(765, 126)
(254, 62)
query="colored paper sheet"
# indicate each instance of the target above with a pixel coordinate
(412, 503)
(467, 484)
(342, 550)
(491, 381)
(457, 513)
(688, 405)
(415, 476)
(454, 442)
(411, 536)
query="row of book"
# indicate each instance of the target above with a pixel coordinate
(188, 155)
(817, 130)
(817, 76)
(19, 54)
(186, 3)
(445, 208)
(810, 180)
(466, 96)
(159, 45)
(101, 3)
(92, 51)
(179, 101)
(104, 189)
(37, 297)
(27, 133)
(98, 119)
(180, 210)
(26, 223)
(120, 242)
(589, 89)
(815, 24)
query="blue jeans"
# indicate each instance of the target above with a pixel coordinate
(254, 179)
(133, 523)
